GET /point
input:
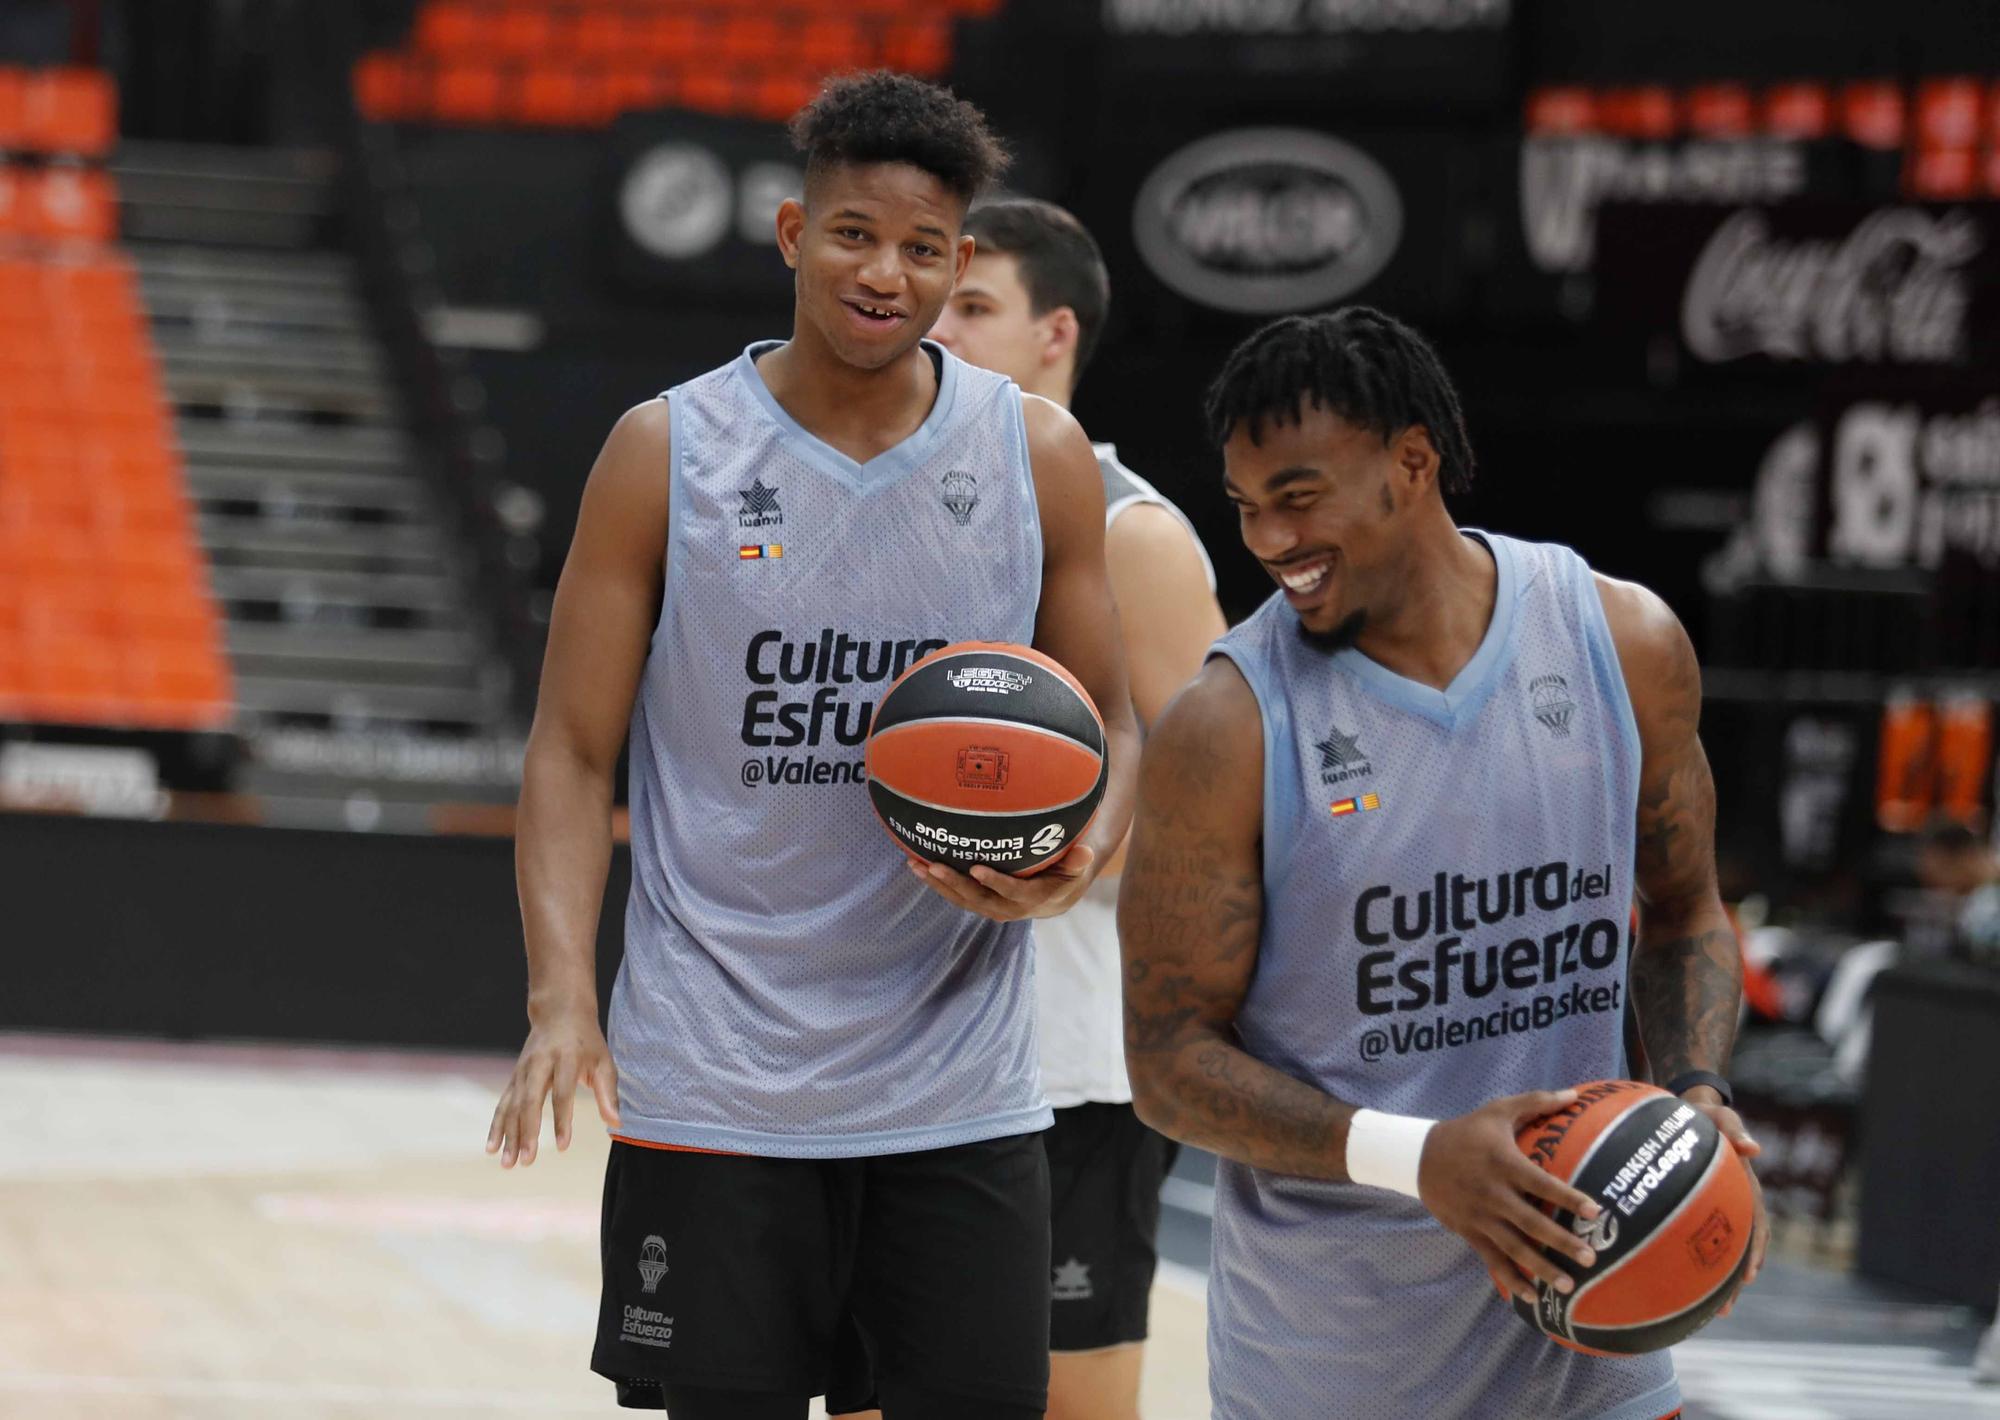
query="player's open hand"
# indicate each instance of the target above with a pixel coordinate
(562, 1051)
(1477, 1182)
(1730, 1124)
(1006, 898)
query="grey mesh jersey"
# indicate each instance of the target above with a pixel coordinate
(1125, 489)
(788, 988)
(1448, 883)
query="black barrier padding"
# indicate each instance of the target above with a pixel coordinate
(200, 931)
(1930, 1133)
(1042, 699)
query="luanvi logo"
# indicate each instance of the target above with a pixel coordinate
(1071, 1282)
(960, 495)
(760, 506)
(1266, 220)
(652, 1263)
(1340, 757)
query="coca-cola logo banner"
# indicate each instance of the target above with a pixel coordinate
(1907, 286)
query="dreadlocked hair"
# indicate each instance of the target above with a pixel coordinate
(1367, 367)
(883, 117)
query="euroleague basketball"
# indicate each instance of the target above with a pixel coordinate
(986, 752)
(1673, 1238)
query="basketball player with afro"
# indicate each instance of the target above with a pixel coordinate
(1032, 305)
(1373, 917)
(827, 1174)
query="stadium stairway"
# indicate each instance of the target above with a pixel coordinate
(365, 682)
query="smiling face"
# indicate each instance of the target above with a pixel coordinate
(990, 321)
(1326, 506)
(876, 248)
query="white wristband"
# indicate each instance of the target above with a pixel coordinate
(1383, 1150)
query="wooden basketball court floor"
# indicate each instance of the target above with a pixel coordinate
(236, 1233)
(239, 1233)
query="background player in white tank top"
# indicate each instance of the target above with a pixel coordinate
(1032, 305)
(1416, 714)
(827, 1175)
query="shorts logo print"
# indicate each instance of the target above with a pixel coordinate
(1071, 1282)
(652, 1263)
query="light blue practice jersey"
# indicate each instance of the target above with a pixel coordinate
(1448, 882)
(788, 988)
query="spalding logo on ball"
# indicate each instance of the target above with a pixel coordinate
(986, 753)
(1673, 1237)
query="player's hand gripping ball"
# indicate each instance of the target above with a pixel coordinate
(986, 753)
(1673, 1239)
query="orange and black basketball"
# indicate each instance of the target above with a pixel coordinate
(1674, 1237)
(986, 753)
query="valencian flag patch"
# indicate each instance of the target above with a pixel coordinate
(752, 551)
(1344, 807)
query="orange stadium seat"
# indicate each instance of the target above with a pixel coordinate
(70, 204)
(451, 27)
(605, 35)
(676, 37)
(13, 109)
(922, 47)
(748, 41)
(468, 91)
(558, 95)
(176, 683)
(716, 91)
(777, 97)
(521, 31)
(72, 111)
(633, 86)
(387, 87)
(834, 44)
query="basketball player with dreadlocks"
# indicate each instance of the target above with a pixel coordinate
(1330, 817)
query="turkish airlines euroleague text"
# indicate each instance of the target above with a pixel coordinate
(1459, 940)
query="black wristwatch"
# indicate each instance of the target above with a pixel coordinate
(1681, 1084)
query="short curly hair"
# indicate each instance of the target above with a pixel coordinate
(885, 117)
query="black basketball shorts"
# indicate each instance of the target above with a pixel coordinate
(835, 1277)
(1105, 1171)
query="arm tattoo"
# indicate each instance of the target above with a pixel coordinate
(1687, 975)
(1687, 991)
(1193, 914)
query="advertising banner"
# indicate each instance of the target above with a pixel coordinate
(690, 205)
(1808, 289)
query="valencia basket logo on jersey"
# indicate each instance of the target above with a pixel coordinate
(961, 496)
(1549, 694)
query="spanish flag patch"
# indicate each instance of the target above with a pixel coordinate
(1344, 807)
(752, 551)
